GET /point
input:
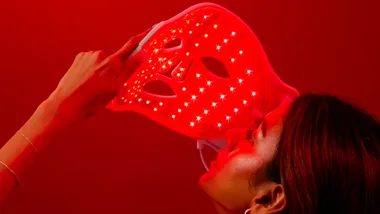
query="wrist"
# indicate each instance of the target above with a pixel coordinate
(43, 127)
(45, 124)
(56, 108)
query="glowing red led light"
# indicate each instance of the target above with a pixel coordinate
(212, 100)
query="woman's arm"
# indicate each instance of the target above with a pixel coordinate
(21, 150)
(87, 87)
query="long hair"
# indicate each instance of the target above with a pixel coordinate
(329, 158)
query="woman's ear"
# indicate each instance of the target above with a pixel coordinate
(271, 199)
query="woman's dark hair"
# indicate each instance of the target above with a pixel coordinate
(329, 158)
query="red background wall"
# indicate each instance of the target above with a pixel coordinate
(125, 163)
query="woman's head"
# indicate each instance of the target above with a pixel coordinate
(314, 155)
(329, 157)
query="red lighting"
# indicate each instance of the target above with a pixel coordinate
(203, 103)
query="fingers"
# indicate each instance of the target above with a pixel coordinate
(124, 52)
(96, 56)
(130, 66)
(120, 60)
(99, 56)
(78, 58)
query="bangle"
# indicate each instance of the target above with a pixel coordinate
(31, 143)
(12, 172)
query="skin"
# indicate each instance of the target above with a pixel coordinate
(227, 182)
(87, 87)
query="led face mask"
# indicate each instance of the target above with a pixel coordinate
(206, 73)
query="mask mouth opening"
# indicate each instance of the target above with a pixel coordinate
(208, 149)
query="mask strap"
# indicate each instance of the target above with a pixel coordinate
(216, 145)
(155, 28)
(200, 147)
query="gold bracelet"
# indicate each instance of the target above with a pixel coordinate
(12, 172)
(31, 143)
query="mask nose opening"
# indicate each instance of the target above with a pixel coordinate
(173, 44)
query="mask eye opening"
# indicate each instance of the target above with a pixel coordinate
(216, 67)
(158, 87)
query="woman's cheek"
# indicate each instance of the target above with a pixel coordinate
(244, 164)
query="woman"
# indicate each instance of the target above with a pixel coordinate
(87, 87)
(312, 155)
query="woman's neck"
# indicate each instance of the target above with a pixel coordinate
(222, 210)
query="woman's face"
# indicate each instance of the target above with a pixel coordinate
(239, 168)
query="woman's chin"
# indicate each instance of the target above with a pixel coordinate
(206, 178)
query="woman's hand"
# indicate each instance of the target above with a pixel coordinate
(93, 81)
